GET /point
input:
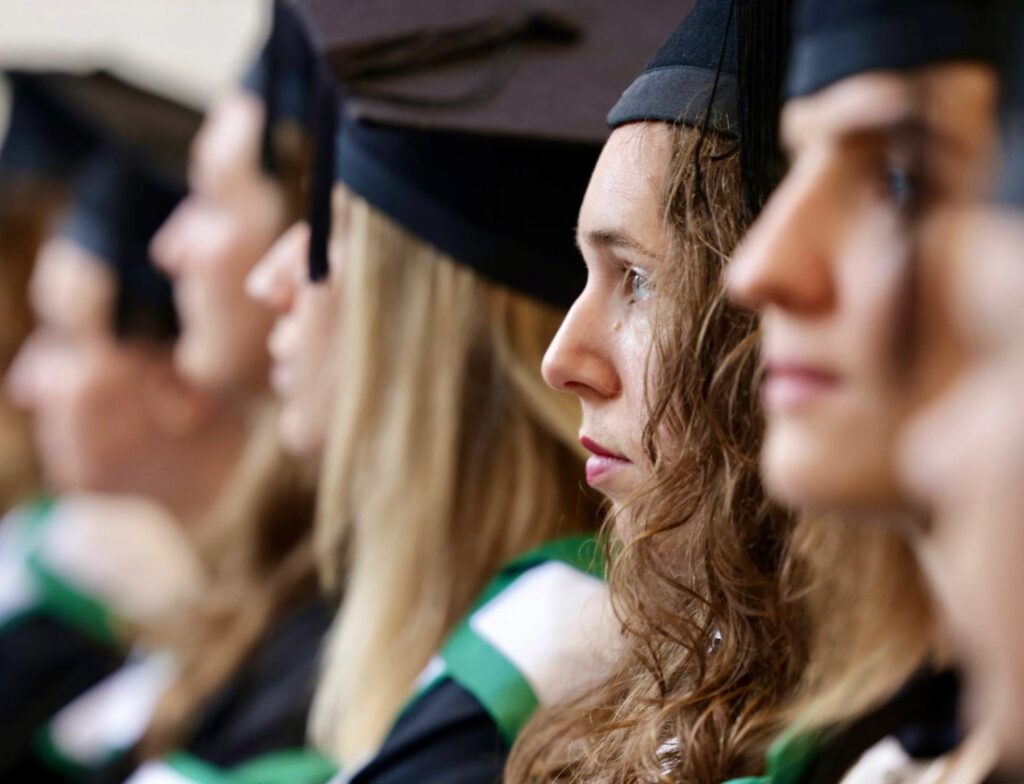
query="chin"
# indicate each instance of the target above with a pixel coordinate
(1003, 713)
(296, 440)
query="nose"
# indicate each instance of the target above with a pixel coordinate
(167, 248)
(274, 281)
(784, 260)
(579, 359)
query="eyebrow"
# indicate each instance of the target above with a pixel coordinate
(613, 240)
(905, 125)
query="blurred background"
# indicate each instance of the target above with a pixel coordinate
(191, 50)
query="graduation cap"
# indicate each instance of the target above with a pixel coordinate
(116, 207)
(721, 69)
(696, 68)
(1010, 187)
(130, 149)
(43, 139)
(284, 78)
(476, 124)
(153, 129)
(835, 39)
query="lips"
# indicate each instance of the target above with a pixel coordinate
(603, 463)
(790, 385)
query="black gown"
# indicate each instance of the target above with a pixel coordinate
(915, 728)
(460, 727)
(263, 709)
(54, 647)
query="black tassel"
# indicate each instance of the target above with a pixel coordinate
(271, 69)
(325, 126)
(764, 44)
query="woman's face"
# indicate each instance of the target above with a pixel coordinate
(963, 457)
(302, 342)
(600, 352)
(828, 267)
(230, 218)
(84, 386)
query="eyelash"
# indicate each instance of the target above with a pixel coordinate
(632, 277)
(903, 181)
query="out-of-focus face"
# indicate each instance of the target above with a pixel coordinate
(304, 369)
(600, 352)
(82, 385)
(231, 217)
(828, 265)
(963, 457)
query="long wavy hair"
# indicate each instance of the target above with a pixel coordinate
(706, 589)
(448, 456)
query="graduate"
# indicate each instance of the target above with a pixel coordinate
(134, 453)
(450, 507)
(243, 655)
(664, 371)
(961, 455)
(874, 91)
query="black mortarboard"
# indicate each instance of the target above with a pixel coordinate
(152, 128)
(43, 140)
(131, 179)
(721, 69)
(476, 123)
(284, 77)
(835, 39)
(116, 208)
(700, 58)
(1010, 187)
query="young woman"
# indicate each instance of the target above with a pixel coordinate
(665, 371)
(83, 574)
(874, 91)
(450, 493)
(246, 175)
(242, 656)
(962, 453)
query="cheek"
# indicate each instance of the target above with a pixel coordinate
(316, 327)
(870, 281)
(633, 344)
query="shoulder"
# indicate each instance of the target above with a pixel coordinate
(543, 632)
(445, 736)
(127, 554)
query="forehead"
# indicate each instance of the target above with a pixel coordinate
(71, 287)
(228, 142)
(956, 99)
(626, 190)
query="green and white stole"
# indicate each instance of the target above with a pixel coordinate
(540, 633)
(284, 767)
(30, 586)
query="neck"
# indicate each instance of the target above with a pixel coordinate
(205, 465)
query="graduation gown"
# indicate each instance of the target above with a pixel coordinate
(258, 717)
(542, 631)
(909, 738)
(56, 640)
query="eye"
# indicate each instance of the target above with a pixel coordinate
(638, 284)
(901, 186)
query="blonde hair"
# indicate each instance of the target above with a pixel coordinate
(872, 618)
(448, 456)
(258, 548)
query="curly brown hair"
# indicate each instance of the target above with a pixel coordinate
(716, 646)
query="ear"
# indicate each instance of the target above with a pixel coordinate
(176, 408)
